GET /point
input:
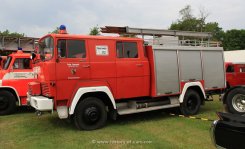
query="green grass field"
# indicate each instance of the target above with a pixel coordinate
(145, 130)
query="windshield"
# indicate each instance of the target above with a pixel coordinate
(46, 48)
(6, 65)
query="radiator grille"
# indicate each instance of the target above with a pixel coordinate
(45, 89)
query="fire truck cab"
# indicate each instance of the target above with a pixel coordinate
(88, 78)
(235, 74)
(15, 75)
(234, 98)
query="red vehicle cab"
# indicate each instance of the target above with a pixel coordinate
(235, 74)
(15, 74)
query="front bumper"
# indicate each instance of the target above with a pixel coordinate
(40, 103)
(212, 132)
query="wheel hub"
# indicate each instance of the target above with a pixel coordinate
(91, 114)
(191, 104)
(238, 102)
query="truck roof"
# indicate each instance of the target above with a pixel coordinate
(20, 53)
(239, 63)
(93, 37)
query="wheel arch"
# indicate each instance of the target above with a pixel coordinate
(229, 90)
(101, 92)
(13, 91)
(196, 86)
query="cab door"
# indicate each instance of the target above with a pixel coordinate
(72, 65)
(130, 70)
(241, 74)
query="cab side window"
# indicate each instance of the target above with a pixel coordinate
(230, 68)
(62, 48)
(242, 69)
(22, 63)
(71, 49)
(127, 50)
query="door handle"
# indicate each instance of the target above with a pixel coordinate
(86, 66)
(139, 65)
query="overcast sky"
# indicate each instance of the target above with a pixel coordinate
(36, 18)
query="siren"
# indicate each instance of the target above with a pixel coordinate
(20, 50)
(62, 29)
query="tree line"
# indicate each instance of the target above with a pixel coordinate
(233, 39)
(11, 34)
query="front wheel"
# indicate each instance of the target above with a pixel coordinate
(235, 101)
(191, 103)
(90, 114)
(7, 103)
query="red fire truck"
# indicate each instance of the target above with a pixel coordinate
(15, 74)
(235, 74)
(89, 78)
(234, 98)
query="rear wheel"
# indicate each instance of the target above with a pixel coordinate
(7, 103)
(191, 103)
(90, 114)
(235, 101)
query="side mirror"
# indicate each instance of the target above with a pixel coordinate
(33, 56)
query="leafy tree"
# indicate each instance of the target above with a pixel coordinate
(186, 13)
(188, 22)
(13, 34)
(94, 30)
(56, 30)
(191, 24)
(234, 40)
(218, 33)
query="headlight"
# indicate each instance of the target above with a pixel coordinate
(36, 70)
(212, 132)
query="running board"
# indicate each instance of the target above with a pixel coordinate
(138, 107)
(131, 111)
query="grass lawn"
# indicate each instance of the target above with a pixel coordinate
(145, 130)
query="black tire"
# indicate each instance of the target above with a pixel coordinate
(7, 103)
(191, 103)
(235, 101)
(90, 114)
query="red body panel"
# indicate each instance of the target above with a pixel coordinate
(235, 76)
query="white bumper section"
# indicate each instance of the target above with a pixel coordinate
(40, 103)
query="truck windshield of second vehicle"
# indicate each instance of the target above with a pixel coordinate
(46, 48)
(8, 61)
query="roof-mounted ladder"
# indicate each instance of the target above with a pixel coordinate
(153, 32)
